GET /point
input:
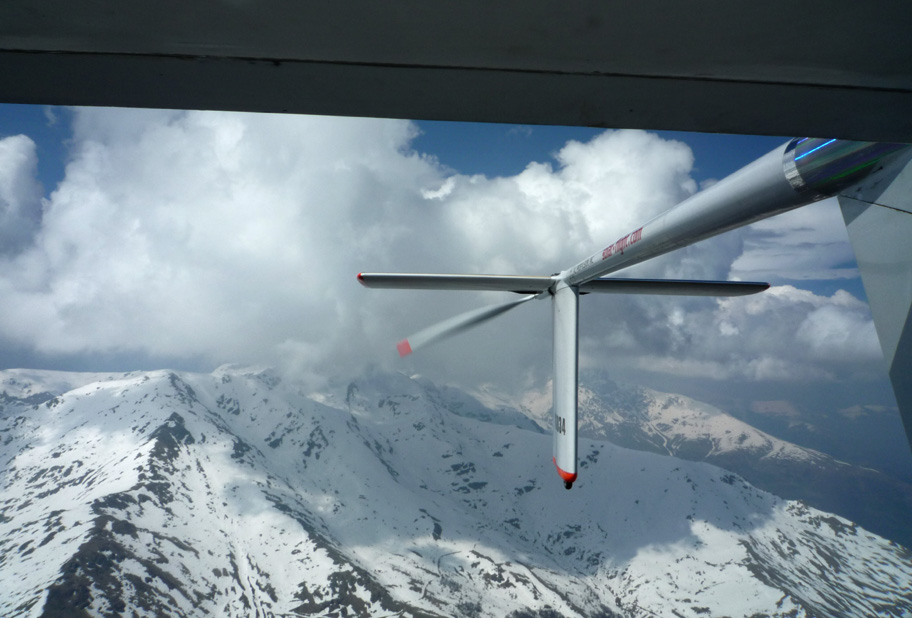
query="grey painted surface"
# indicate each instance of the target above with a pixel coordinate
(790, 69)
(879, 223)
(756, 191)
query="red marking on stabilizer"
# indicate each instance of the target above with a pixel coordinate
(361, 280)
(404, 348)
(568, 478)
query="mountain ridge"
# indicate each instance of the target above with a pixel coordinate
(236, 493)
(675, 425)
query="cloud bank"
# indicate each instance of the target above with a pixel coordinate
(237, 237)
(20, 193)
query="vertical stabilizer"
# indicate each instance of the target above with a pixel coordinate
(878, 217)
(566, 377)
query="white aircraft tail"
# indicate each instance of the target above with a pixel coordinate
(873, 182)
(565, 311)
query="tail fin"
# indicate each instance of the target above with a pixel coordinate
(878, 217)
(565, 313)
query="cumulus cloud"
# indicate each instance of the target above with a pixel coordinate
(783, 334)
(20, 193)
(237, 238)
(190, 233)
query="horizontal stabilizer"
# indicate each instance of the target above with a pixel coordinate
(672, 287)
(412, 281)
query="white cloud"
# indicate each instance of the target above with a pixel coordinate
(237, 238)
(20, 193)
(783, 334)
(833, 332)
(804, 244)
(758, 369)
(192, 233)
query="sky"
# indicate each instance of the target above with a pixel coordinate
(142, 239)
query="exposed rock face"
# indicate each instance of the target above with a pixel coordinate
(668, 424)
(233, 494)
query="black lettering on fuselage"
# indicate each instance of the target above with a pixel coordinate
(560, 424)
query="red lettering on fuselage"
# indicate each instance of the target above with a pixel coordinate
(622, 243)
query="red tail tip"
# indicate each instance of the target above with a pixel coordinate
(404, 348)
(361, 279)
(567, 476)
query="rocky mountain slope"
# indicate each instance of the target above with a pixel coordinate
(234, 494)
(668, 424)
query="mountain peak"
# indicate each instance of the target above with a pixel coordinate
(177, 493)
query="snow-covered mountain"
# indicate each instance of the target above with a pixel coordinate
(668, 424)
(234, 494)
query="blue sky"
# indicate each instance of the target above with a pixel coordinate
(49, 127)
(188, 240)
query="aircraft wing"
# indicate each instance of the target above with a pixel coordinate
(413, 281)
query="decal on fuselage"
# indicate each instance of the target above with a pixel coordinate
(560, 424)
(622, 243)
(615, 248)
